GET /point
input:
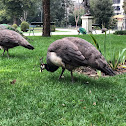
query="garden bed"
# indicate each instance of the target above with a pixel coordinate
(93, 73)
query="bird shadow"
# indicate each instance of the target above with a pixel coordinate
(86, 81)
(19, 56)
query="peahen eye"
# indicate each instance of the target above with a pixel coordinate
(42, 66)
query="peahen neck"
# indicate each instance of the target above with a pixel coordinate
(51, 68)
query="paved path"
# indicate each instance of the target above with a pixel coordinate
(63, 31)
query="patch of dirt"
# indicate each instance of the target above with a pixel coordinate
(93, 73)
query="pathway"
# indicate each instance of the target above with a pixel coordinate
(63, 31)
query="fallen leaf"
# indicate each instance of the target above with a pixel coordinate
(94, 103)
(87, 82)
(13, 82)
(84, 107)
(90, 91)
(63, 104)
(81, 100)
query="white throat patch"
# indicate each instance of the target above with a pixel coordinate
(56, 60)
(42, 67)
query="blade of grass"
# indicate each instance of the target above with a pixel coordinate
(95, 42)
(105, 46)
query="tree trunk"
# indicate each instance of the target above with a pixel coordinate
(76, 20)
(15, 20)
(46, 18)
(76, 15)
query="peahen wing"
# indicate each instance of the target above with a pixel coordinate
(71, 55)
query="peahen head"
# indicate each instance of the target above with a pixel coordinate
(42, 66)
(48, 67)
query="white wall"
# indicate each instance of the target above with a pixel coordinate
(121, 12)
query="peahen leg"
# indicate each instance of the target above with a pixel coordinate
(63, 69)
(4, 52)
(72, 76)
(7, 53)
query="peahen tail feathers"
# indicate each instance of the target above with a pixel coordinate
(108, 71)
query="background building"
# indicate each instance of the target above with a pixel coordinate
(119, 14)
(118, 7)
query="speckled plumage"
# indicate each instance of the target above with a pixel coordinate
(76, 52)
(10, 39)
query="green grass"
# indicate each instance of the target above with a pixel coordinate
(40, 99)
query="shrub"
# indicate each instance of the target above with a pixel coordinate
(52, 27)
(24, 26)
(112, 23)
(96, 28)
(117, 59)
(120, 32)
(14, 26)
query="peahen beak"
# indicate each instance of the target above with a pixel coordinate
(42, 67)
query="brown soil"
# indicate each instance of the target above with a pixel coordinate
(93, 73)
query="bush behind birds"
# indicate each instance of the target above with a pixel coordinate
(24, 26)
(14, 26)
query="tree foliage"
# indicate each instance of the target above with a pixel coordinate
(59, 10)
(31, 10)
(78, 12)
(102, 11)
(3, 14)
(13, 8)
(18, 9)
(124, 6)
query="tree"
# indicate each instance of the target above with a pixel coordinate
(124, 6)
(13, 9)
(78, 12)
(59, 11)
(4, 18)
(31, 10)
(19, 9)
(28, 8)
(46, 17)
(102, 11)
(76, 15)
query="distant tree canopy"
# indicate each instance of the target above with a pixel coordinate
(62, 12)
(31, 10)
(76, 12)
(13, 8)
(124, 6)
(102, 11)
(18, 9)
(59, 11)
(3, 14)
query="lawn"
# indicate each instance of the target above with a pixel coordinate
(40, 99)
